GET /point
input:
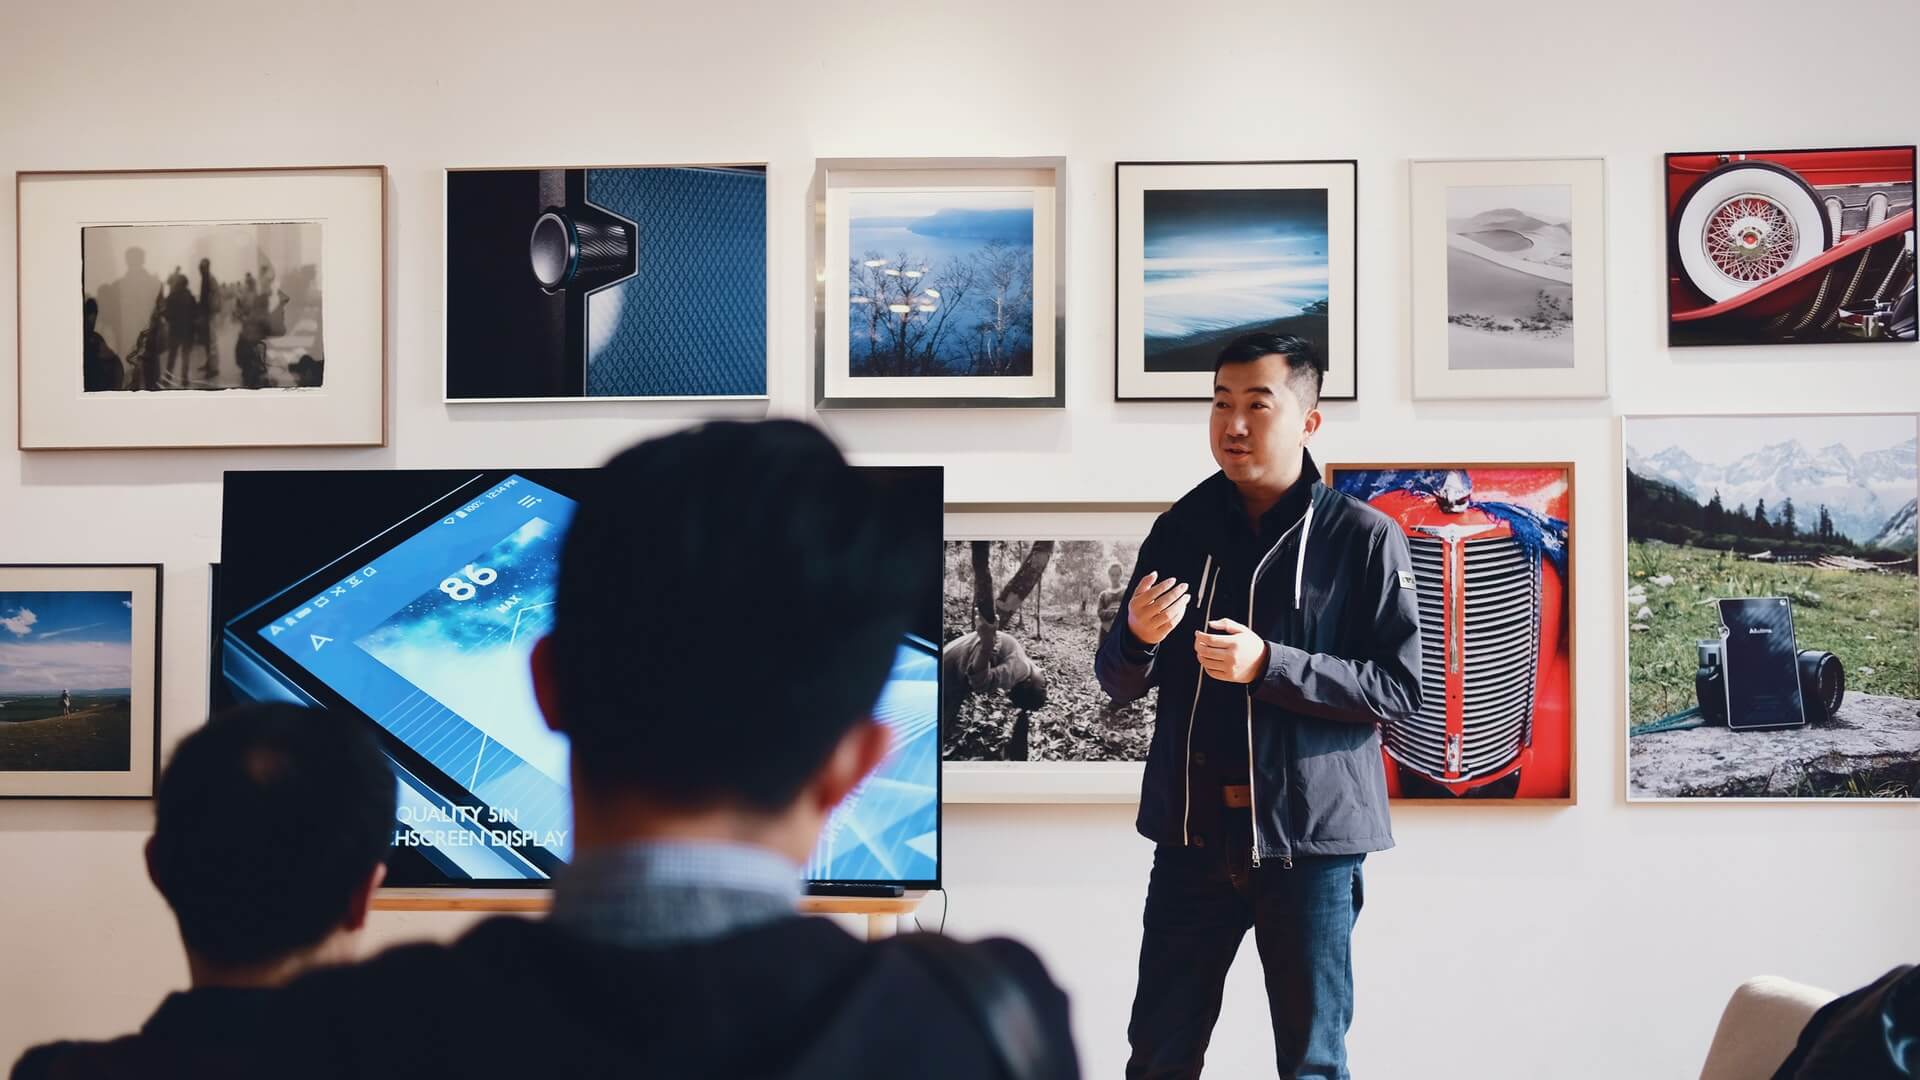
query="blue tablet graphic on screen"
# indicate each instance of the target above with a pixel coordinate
(430, 591)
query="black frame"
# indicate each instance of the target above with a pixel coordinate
(1352, 162)
(1672, 240)
(159, 666)
(818, 289)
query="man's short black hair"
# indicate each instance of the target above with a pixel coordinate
(1305, 367)
(731, 601)
(268, 820)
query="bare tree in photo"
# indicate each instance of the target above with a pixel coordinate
(906, 307)
(1003, 342)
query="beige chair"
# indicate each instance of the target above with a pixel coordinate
(1762, 1023)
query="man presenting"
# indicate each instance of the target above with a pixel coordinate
(1278, 618)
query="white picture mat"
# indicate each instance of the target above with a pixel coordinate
(447, 398)
(347, 410)
(1042, 183)
(144, 583)
(1432, 378)
(1624, 627)
(1131, 185)
(1044, 781)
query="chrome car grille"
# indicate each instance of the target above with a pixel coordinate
(1496, 669)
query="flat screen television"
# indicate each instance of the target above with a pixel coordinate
(409, 601)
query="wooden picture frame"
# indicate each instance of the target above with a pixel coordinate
(1437, 505)
(279, 287)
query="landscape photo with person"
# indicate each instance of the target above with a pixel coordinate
(1051, 600)
(1818, 510)
(66, 672)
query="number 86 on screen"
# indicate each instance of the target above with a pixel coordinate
(462, 586)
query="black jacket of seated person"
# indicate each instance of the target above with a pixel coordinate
(211, 1031)
(1870, 1034)
(796, 999)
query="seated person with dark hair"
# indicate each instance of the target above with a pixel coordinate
(271, 832)
(714, 726)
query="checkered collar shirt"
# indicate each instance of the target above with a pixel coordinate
(659, 894)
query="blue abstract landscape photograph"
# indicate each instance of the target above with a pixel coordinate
(939, 283)
(1224, 262)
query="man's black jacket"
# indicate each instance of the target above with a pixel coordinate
(1334, 598)
(796, 999)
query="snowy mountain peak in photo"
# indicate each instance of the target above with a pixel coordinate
(1863, 493)
(1898, 534)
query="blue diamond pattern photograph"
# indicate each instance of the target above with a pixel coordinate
(607, 283)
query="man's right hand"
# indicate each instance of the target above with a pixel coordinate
(1156, 608)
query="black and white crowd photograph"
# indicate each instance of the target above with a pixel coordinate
(202, 307)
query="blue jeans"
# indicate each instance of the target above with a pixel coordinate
(1200, 903)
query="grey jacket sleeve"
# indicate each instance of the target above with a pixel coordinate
(1383, 684)
(1124, 665)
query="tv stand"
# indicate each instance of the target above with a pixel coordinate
(883, 913)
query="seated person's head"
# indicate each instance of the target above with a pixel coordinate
(731, 601)
(1029, 693)
(271, 832)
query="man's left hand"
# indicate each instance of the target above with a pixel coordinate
(1232, 653)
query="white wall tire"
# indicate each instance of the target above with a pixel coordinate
(1746, 224)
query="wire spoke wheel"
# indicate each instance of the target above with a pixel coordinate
(1750, 238)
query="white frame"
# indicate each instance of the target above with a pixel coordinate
(835, 178)
(1047, 781)
(1132, 179)
(141, 777)
(446, 397)
(350, 409)
(1626, 631)
(1428, 182)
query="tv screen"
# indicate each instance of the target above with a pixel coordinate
(410, 600)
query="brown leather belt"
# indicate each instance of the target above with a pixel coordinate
(1237, 796)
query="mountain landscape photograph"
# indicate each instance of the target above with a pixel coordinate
(1818, 510)
(1510, 277)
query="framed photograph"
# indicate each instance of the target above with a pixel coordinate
(1207, 251)
(1772, 607)
(1024, 720)
(940, 283)
(1790, 247)
(642, 283)
(79, 681)
(1492, 548)
(218, 308)
(1509, 279)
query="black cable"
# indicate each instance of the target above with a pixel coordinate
(946, 901)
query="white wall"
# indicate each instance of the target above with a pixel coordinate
(1594, 941)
